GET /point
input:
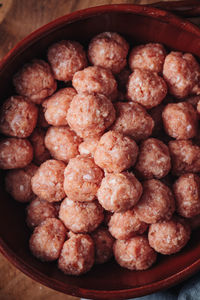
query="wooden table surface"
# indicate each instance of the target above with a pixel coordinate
(18, 18)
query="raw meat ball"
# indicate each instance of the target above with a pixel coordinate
(56, 106)
(103, 242)
(108, 50)
(18, 183)
(187, 195)
(90, 115)
(66, 58)
(180, 120)
(38, 211)
(185, 157)
(18, 117)
(115, 152)
(35, 81)
(41, 154)
(89, 145)
(154, 159)
(134, 253)
(156, 115)
(62, 142)
(41, 122)
(81, 216)
(96, 80)
(133, 120)
(77, 255)
(119, 191)
(156, 203)
(182, 73)
(146, 88)
(169, 237)
(82, 179)
(15, 153)
(47, 183)
(124, 225)
(47, 239)
(149, 57)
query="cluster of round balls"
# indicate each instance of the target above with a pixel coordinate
(109, 163)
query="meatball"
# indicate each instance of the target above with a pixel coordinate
(47, 183)
(156, 203)
(90, 115)
(146, 88)
(56, 106)
(66, 58)
(35, 81)
(18, 183)
(77, 255)
(133, 120)
(108, 50)
(18, 117)
(134, 253)
(81, 217)
(182, 73)
(103, 242)
(169, 237)
(47, 239)
(15, 153)
(40, 152)
(185, 157)
(149, 57)
(154, 159)
(62, 142)
(89, 145)
(187, 195)
(124, 225)
(115, 152)
(96, 80)
(82, 179)
(180, 120)
(119, 191)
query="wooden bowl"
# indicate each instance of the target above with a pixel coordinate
(138, 24)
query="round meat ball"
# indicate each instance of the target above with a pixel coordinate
(40, 152)
(156, 203)
(89, 145)
(66, 58)
(56, 106)
(134, 253)
(154, 159)
(149, 57)
(47, 239)
(124, 225)
(35, 81)
(81, 217)
(185, 157)
(82, 179)
(187, 195)
(119, 191)
(103, 242)
(47, 183)
(182, 73)
(62, 142)
(77, 255)
(18, 117)
(115, 152)
(133, 120)
(96, 80)
(108, 50)
(169, 237)
(15, 153)
(180, 120)
(38, 211)
(146, 88)
(18, 183)
(90, 115)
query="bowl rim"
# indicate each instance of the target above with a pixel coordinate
(20, 47)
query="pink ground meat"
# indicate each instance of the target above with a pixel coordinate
(89, 145)
(40, 152)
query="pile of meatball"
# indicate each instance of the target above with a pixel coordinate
(103, 144)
